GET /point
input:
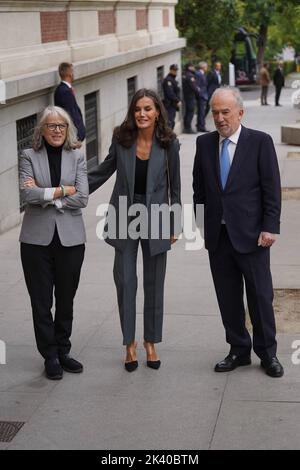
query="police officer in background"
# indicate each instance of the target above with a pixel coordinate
(203, 96)
(171, 91)
(191, 92)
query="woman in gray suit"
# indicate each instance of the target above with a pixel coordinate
(54, 186)
(145, 154)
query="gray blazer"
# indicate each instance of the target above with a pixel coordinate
(40, 218)
(123, 160)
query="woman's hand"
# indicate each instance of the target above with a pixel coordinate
(70, 190)
(30, 183)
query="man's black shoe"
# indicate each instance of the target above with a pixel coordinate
(231, 362)
(200, 129)
(70, 365)
(272, 367)
(53, 369)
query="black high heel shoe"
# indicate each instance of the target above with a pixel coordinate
(152, 364)
(131, 365)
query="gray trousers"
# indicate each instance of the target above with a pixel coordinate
(126, 283)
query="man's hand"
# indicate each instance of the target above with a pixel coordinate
(266, 239)
(173, 239)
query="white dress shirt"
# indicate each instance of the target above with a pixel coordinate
(231, 147)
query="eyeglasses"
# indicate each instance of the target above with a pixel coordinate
(53, 126)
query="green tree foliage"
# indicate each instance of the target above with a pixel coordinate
(209, 26)
(265, 15)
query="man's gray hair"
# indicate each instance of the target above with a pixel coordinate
(202, 64)
(235, 93)
(71, 134)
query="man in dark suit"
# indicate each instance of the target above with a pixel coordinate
(236, 177)
(190, 94)
(214, 81)
(64, 97)
(203, 96)
(171, 90)
(278, 80)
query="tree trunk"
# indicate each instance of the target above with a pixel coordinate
(262, 42)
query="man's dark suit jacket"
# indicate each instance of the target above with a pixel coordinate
(278, 78)
(202, 84)
(212, 82)
(65, 98)
(251, 200)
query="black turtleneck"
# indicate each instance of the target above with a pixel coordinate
(54, 159)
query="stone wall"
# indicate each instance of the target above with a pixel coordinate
(107, 42)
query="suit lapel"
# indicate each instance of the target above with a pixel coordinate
(129, 156)
(156, 163)
(64, 166)
(44, 168)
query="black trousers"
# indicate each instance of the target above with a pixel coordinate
(277, 94)
(201, 109)
(47, 268)
(189, 112)
(171, 116)
(229, 269)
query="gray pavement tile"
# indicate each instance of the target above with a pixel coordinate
(290, 177)
(111, 409)
(181, 332)
(24, 371)
(18, 406)
(247, 425)
(286, 276)
(285, 342)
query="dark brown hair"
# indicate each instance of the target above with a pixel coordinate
(126, 133)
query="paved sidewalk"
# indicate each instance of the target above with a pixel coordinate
(184, 405)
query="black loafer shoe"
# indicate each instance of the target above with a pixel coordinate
(53, 369)
(272, 367)
(70, 365)
(231, 362)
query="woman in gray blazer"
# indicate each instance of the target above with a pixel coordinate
(145, 154)
(54, 186)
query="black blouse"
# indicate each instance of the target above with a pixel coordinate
(54, 159)
(141, 168)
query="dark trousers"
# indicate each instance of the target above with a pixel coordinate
(189, 112)
(201, 109)
(277, 94)
(229, 269)
(126, 283)
(171, 116)
(264, 94)
(47, 268)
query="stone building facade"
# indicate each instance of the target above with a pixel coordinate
(116, 47)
